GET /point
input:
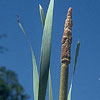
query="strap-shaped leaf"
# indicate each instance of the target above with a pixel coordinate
(76, 55)
(42, 15)
(43, 22)
(75, 62)
(50, 87)
(45, 52)
(70, 90)
(35, 71)
(35, 77)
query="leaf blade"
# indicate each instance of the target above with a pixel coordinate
(45, 52)
(43, 22)
(42, 15)
(35, 71)
(74, 68)
(35, 77)
(50, 87)
(76, 56)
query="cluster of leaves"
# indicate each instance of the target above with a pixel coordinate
(10, 88)
(40, 84)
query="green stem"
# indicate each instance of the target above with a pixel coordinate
(63, 82)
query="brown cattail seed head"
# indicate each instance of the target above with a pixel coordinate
(67, 38)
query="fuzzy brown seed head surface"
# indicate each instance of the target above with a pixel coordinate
(67, 38)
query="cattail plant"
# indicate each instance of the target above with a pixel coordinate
(40, 80)
(65, 56)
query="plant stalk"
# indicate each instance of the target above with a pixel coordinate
(65, 56)
(63, 81)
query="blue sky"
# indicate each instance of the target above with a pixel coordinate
(86, 28)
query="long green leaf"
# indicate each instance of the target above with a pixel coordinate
(75, 62)
(45, 52)
(50, 87)
(42, 15)
(35, 77)
(35, 71)
(43, 22)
